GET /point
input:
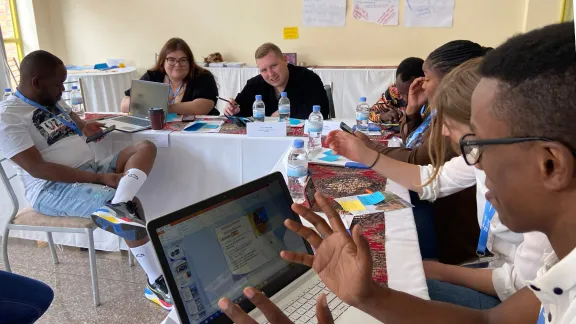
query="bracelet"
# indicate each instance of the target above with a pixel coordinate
(373, 164)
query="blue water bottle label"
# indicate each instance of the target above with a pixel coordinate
(297, 171)
(284, 109)
(361, 116)
(76, 101)
(258, 114)
(315, 127)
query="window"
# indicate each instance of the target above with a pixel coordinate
(11, 36)
(568, 10)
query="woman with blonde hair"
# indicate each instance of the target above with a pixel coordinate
(476, 288)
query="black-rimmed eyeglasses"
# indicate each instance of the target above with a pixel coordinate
(172, 61)
(473, 148)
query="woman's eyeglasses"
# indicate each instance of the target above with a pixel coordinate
(172, 61)
(473, 148)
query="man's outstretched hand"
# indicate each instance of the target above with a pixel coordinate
(343, 262)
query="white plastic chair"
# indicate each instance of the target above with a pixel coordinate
(28, 219)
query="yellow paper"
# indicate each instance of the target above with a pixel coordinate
(352, 205)
(290, 32)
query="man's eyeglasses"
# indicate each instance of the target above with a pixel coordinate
(473, 148)
(172, 61)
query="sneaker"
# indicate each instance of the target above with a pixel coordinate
(120, 219)
(158, 293)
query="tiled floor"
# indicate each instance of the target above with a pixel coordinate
(121, 286)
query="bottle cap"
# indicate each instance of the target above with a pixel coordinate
(315, 108)
(283, 94)
(298, 143)
(362, 99)
(7, 90)
(74, 87)
(258, 97)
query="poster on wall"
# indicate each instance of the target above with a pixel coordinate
(428, 13)
(381, 12)
(324, 13)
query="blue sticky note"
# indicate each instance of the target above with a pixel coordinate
(171, 117)
(372, 199)
(211, 126)
(329, 153)
(329, 158)
(294, 121)
(195, 127)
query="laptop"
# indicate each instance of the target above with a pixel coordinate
(143, 96)
(219, 246)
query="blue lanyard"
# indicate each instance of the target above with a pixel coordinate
(71, 125)
(411, 142)
(489, 212)
(541, 318)
(177, 91)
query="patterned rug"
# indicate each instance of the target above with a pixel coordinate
(373, 228)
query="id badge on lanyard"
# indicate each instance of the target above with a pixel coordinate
(489, 212)
(67, 123)
(177, 91)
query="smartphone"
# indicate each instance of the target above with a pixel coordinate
(100, 134)
(346, 128)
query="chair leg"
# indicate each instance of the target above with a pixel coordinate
(130, 258)
(5, 250)
(93, 271)
(52, 248)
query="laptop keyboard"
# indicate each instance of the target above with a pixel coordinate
(133, 121)
(303, 308)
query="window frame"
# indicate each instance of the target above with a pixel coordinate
(17, 39)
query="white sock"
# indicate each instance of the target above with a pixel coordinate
(129, 185)
(147, 259)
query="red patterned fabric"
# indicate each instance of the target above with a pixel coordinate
(373, 228)
(92, 116)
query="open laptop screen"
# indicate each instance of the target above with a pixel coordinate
(220, 250)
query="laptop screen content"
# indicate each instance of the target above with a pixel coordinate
(219, 251)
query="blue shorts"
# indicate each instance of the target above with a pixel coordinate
(77, 199)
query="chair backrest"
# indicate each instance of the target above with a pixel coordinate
(8, 185)
(328, 89)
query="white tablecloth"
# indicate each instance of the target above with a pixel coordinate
(104, 91)
(193, 168)
(348, 85)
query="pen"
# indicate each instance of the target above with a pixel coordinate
(228, 101)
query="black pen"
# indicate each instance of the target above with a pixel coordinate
(228, 101)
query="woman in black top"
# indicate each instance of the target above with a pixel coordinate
(193, 90)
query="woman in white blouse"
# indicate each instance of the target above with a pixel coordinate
(515, 261)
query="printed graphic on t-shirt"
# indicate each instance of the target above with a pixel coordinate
(52, 129)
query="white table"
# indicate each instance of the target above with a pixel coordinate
(349, 85)
(104, 90)
(404, 262)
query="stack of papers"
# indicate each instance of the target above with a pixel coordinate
(376, 202)
(204, 126)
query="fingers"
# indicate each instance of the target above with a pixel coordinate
(323, 314)
(416, 84)
(362, 136)
(306, 233)
(319, 223)
(363, 256)
(333, 216)
(298, 257)
(272, 313)
(234, 312)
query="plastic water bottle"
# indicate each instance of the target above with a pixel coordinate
(315, 126)
(77, 102)
(7, 93)
(297, 171)
(362, 113)
(258, 109)
(284, 108)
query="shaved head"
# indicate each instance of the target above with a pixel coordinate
(42, 77)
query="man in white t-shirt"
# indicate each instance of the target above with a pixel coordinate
(523, 117)
(47, 143)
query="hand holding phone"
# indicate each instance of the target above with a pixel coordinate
(346, 128)
(100, 134)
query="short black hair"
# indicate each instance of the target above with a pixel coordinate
(410, 68)
(448, 56)
(39, 63)
(536, 72)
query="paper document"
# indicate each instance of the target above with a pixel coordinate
(381, 12)
(324, 13)
(160, 138)
(428, 13)
(204, 126)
